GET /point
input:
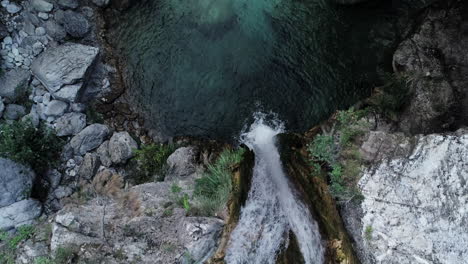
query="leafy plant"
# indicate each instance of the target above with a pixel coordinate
(152, 159)
(212, 190)
(24, 232)
(23, 143)
(368, 232)
(175, 188)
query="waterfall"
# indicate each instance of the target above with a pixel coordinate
(272, 208)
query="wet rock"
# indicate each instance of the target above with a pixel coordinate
(89, 138)
(19, 213)
(75, 24)
(181, 163)
(56, 108)
(42, 5)
(14, 112)
(14, 83)
(69, 3)
(121, 147)
(63, 70)
(70, 124)
(415, 205)
(89, 166)
(16, 182)
(104, 155)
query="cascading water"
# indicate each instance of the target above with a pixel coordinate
(272, 208)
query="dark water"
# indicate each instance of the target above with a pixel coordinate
(202, 67)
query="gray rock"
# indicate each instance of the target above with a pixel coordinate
(40, 31)
(3, 30)
(42, 5)
(2, 107)
(62, 192)
(103, 152)
(43, 15)
(89, 166)
(14, 112)
(121, 147)
(32, 117)
(37, 48)
(68, 3)
(30, 251)
(14, 83)
(53, 177)
(101, 3)
(89, 138)
(15, 182)
(13, 8)
(56, 108)
(75, 24)
(54, 30)
(181, 163)
(70, 124)
(416, 203)
(63, 70)
(20, 213)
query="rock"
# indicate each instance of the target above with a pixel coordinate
(63, 70)
(3, 30)
(89, 166)
(37, 48)
(42, 5)
(181, 163)
(40, 31)
(101, 3)
(416, 204)
(68, 3)
(54, 30)
(43, 15)
(70, 124)
(14, 83)
(32, 117)
(75, 24)
(56, 108)
(62, 192)
(13, 8)
(121, 147)
(19, 213)
(30, 251)
(53, 177)
(16, 182)
(103, 152)
(89, 138)
(14, 112)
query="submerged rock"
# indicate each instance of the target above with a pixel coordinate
(63, 70)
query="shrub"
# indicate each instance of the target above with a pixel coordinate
(368, 232)
(11, 242)
(152, 159)
(23, 143)
(212, 190)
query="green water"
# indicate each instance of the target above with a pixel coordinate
(202, 67)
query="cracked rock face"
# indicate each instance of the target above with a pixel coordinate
(416, 206)
(64, 70)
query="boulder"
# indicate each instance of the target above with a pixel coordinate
(103, 152)
(70, 124)
(89, 167)
(16, 182)
(63, 70)
(20, 213)
(14, 83)
(75, 24)
(121, 147)
(42, 5)
(56, 108)
(415, 208)
(181, 163)
(14, 112)
(89, 138)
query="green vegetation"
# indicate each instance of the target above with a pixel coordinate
(152, 159)
(390, 99)
(180, 198)
(23, 143)
(368, 232)
(62, 256)
(336, 153)
(9, 243)
(212, 190)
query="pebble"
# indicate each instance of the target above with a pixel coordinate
(43, 15)
(15, 51)
(8, 40)
(37, 48)
(40, 31)
(27, 62)
(13, 8)
(46, 99)
(23, 34)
